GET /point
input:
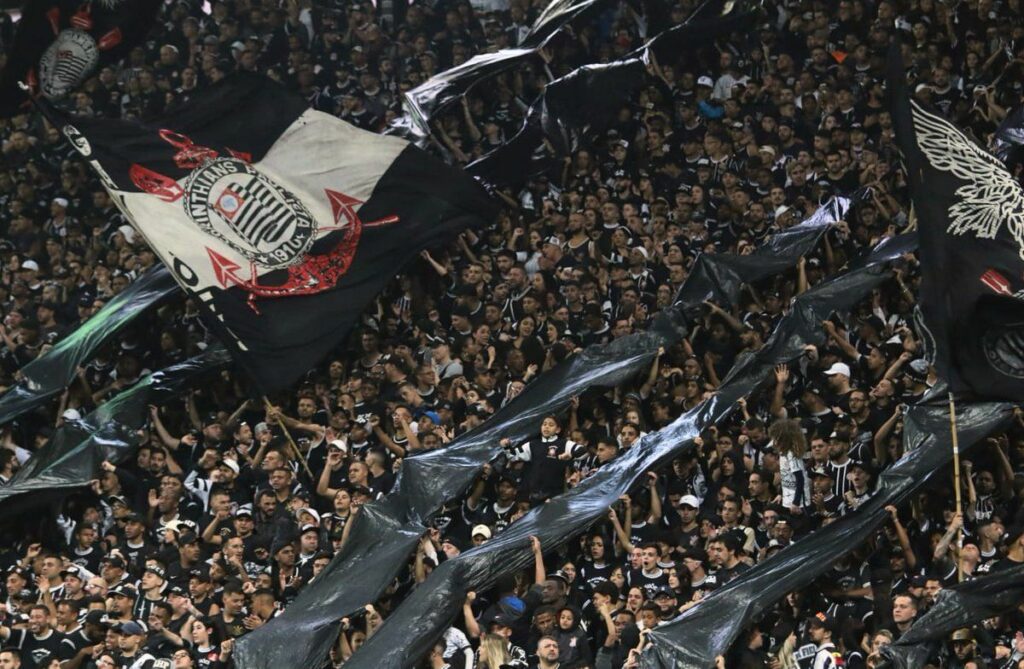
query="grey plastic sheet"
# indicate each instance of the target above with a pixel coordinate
(48, 375)
(962, 605)
(385, 533)
(408, 634)
(72, 457)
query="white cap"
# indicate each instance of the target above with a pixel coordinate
(781, 211)
(62, 201)
(230, 464)
(339, 444)
(481, 530)
(706, 81)
(689, 500)
(30, 264)
(838, 368)
(128, 232)
(312, 512)
(71, 414)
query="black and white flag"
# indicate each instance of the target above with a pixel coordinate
(970, 214)
(283, 222)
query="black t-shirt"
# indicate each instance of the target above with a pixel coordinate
(649, 584)
(720, 577)
(32, 647)
(72, 642)
(229, 630)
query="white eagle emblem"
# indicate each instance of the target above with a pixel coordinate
(989, 196)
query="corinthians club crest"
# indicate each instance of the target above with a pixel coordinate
(260, 220)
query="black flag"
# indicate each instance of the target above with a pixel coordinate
(283, 222)
(59, 43)
(971, 219)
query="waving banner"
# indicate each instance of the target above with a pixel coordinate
(48, 375)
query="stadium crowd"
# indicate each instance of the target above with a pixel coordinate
(215, 525)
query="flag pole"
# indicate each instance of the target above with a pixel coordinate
(291, 441)
(956, 485)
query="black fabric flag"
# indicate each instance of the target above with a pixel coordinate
(963, 605)
(971, 219)
(58, 43)
(48, 375)
(72, 457)
(282, 221)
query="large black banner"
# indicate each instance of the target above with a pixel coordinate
(962, 605)
(410, 631)
(48, 375)
(972, 249)
(73, 455)
(385, 533)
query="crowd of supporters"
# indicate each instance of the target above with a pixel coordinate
(215, 524)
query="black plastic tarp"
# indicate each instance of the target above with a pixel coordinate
(433, 96)
(962, 605)
(72, 457)
(48, 375)
(385, 533)
(421, 619)
(589, 96)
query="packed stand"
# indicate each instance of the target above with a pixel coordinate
(216, 524)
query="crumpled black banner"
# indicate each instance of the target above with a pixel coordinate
(409, 632)
(589, 96)
(48, 375)
(1008, 143)
(962, 605)
(385, 533)
(72, 457)
(423, 103)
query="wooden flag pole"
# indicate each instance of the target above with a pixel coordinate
(288, 435)
(956, 486)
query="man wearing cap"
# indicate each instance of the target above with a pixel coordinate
(121, 602)
(35, 640)
(200, 589)
(839, 463)
(152, 585)
(74, 582)
(820, 628)
(839, 380)
(130, 653)
(860, 476)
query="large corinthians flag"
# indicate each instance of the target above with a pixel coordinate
(60, 42)
(971, 220)
(283, 222)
